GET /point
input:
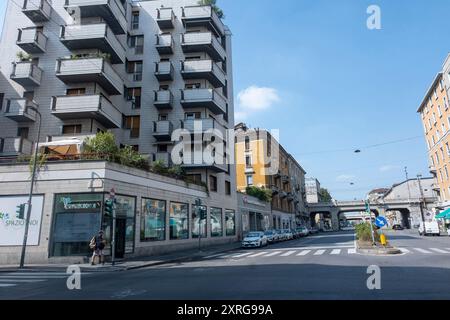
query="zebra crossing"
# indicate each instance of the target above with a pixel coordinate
(14, 279)
(316, 252)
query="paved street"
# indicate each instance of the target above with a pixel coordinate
(324, 266)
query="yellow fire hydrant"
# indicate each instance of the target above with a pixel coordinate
(383, 239)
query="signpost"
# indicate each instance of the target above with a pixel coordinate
(381, 222)
(112, 199)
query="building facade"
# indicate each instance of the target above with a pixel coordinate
(312, 186)
(255, 214)
(262, 162)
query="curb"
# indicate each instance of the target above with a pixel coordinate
(379, 251)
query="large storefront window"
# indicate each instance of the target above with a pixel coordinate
(198, 222)
(153, 220)
(77, 218)
(230, 222)
(216, 222)
(179, 221)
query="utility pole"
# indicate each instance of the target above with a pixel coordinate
(407, 183)
(112, 197)
(422, 200)
(30, 196)
(370, 216)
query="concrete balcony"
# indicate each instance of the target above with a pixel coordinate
(15, 146)
(163, 99)
(112, 11)
(19, 110)
(90, 70)
(162, 130)
(164, 43)
(203, 16)
(163, 157)
(203, 125)
(37, 10)
(204, 98)
(432, 169)
(27, 74)
(31, 40)
(164, 71)
(203, 42)
(165, 18)
(219, 168)
(87, 107)
(93, 36)
(204, 69)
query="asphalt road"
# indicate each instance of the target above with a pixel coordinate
(324, 266)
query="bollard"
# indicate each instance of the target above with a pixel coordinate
(383, 239)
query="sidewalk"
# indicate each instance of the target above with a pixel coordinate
(133, 263)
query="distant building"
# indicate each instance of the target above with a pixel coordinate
(312, 186)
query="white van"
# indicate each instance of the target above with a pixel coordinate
(431, 228)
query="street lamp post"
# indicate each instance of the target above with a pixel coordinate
(422, 200)
(30, 196)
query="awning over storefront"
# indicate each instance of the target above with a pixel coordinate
(444, 214)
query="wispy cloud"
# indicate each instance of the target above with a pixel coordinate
(388, 167)
(345, 178)
(255, 99)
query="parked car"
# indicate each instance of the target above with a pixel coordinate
(314, 230)
(397, 227)
(431, 228)
(288, 234)
(271, 235)
(281, 235)
(304, 232)
(255, 240)
(296, 233)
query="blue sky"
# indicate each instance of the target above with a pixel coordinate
(313, 70)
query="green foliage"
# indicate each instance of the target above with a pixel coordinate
(102, 144)
(260, 193)
(127, 156)
(160, 168)
(363, 232)
(176, 171)
(41, 160)
(214, 6)
(22, 56)
(325, 195)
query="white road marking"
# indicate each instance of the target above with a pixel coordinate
(352, 251)
(404, 250)
(242, 255)
(214, 256)
(32, 277)
(21, 280)
(422, 250)
(439, 250)
(304, 253)
(258, 254)
(336, 252)
(272, 254)
(5, 285)
(319, 252)
(287, 254)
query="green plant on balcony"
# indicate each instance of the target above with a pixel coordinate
(214, 6)
(160, 168)
(177, 172)
(102, 144)
(127, 156)
(41, 161)
(22, 56)
(262, 194)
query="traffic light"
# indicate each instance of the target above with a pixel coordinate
(20, 211)
(202, 213)
(109, 207)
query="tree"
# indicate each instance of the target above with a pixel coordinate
(214, 6)
(325, 195)
(103, 143)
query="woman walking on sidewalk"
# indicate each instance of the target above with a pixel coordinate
(97, 244)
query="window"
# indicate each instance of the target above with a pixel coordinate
(199, 222)
(192, 86)
(435, 94)
(442, 153)
(71, 129)
(135, 68)
(230, 222)
(443, 128)
(164, 87)
(439, 110)
(135, 20)
(440, 174)
(23, 132)
(438, 135)
(162, 148)
(447, 148)
(430, 102)
(432, 160)
(227, 188)
(445, 103)
(192, 115)
(446, 172)
(179, 221)
(249, 180)
(163, 117)
(434, 140)
(434, 118)
(441, 86)
(2, 97)
(195, 178)
(134, 95)
(133, 124)
(437, 158)
(76, 92)
(213, 183)
(216, 222)
(248, 161)
(136, 42)
(247, 143)
(153, 220)
(429, 123)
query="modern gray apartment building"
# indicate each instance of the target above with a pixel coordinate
(140, 69)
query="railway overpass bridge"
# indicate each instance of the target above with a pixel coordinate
(408, 208)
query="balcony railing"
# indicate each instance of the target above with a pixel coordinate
(204, 69)
(14, 146)
(163, 99)
(37, 10)
(164, 71)
(203, 42)
(204, 98)
(89, 107)
(32, 40)
(165, 18)
(111, 11)
(203, 16)
(27, 74)
(203, 125)
(162, 130)
(93, 36)
(164, 43)
(90, 70)
(20, 110)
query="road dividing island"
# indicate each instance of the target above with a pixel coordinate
(366, 248)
